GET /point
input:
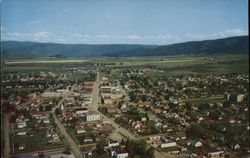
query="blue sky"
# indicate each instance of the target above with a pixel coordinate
(122, 21)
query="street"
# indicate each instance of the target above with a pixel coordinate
(73, 146)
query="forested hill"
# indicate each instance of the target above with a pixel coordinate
(232, 45)
(12, 49)
(15, 49)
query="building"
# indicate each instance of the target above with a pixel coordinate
(81, 110)
(21, 146)
(213, 153)
(195, 143)
(62, 156)
(234, 97)
(91, 116)
(50, 94)
(169, 144)
(118, 152)
(111, 108)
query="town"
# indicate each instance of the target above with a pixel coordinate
(94, 110)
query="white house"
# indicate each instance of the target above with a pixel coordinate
(195, 143)
(21, 147)
(21, 133)
(170, 144)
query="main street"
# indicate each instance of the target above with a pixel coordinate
(6, 150)
(73, 146)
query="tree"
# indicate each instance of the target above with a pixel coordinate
(150, 152)
(57, 111)
(144, 98)
(100, 146)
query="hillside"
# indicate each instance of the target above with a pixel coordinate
(234, 45)
(11, 49)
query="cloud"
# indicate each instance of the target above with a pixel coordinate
(42, 36)
(36, 21)
(233, 32)
(222, 34)
(2, 28)
(160, 39)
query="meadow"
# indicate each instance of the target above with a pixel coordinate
(159, 65)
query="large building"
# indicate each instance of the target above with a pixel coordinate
(234, 97)
(91, 116)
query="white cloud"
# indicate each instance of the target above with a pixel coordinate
(134, 37)
(161, 39)
(215, 35)
(36, 21)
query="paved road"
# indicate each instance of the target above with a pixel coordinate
(75, 150)
(6, 126)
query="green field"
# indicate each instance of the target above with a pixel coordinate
(170, 65)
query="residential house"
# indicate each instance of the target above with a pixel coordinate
(194, 143)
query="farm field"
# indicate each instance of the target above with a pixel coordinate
(173, 65)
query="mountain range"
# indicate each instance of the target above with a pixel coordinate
(17, 49)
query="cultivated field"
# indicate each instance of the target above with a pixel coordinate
(161, 65)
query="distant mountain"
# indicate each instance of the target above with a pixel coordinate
(232, 45)
(15, 49)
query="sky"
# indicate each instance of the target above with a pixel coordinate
(122, 21)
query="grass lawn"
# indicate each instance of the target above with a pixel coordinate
(174, 148)
(205, 101)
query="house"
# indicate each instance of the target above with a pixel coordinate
(55, 136)
(50, 94)
(231, 120)
(180, 135)
(46, 120)
(108, 101)
(37, 115)
(164, 139)
(234, 97)
(124, 108)
(168, 144)
(194, 143)
(62, 91)
(154, 138)
(21, 133)
(214, 153)
(235, 146)
(118, 152)
(21, 124)
(81, 110)
(79, 129)
(91, 116)
(21, 146)
(112, 143)
(142, 104)
(88, 139)
(110, 108)
(105, 132)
